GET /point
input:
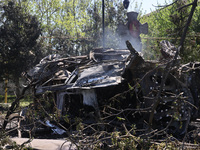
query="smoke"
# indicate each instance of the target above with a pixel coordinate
(135, 42)
(111, 39)
(117, 39)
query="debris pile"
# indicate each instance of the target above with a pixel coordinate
(119, 87)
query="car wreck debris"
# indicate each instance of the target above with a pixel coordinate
(93, 79)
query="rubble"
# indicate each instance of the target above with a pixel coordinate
(94, 79)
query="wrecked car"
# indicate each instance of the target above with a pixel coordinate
(92, 80)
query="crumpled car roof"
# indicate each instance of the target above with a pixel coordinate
(101, 68)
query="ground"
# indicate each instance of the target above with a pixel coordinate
(58, 142)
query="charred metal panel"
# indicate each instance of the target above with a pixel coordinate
(90, 98)
(100, 75)
(107, 68)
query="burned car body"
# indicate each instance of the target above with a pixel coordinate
(95, 78)
(77, 75)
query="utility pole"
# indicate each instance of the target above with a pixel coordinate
(103, 24)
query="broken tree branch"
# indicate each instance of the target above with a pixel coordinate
(168, 68)
(184, 6)
(171, 64)
(13, 106)
(194, 5)
(165, 6)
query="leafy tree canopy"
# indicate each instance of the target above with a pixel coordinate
(168, 23)
(19, 48)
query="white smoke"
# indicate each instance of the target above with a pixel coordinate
(118, 40)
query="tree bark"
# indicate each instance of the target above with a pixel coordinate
(17, 86)
(194, 5)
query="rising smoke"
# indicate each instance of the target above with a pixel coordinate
(117, 39)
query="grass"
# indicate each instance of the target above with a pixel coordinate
(10, 98)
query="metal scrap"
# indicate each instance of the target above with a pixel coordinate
(103, 68)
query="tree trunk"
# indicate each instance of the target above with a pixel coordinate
(17, 87)
(6, 89)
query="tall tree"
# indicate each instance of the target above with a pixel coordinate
(73, 27)
(169, 22)
(19, 49)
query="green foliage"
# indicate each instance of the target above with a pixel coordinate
(18, 41)
(10, 98)
(7, 143)
(121, 119)
(168, 24)
(128, 141)
(74, 27)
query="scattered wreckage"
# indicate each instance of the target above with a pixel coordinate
(92, 80)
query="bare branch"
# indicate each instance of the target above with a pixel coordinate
(194, 5)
